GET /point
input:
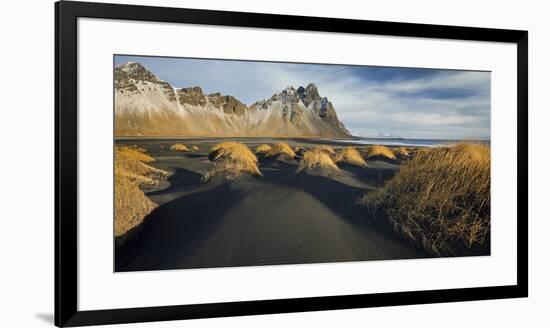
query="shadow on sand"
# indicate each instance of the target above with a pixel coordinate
(173, 230)
(188, 155)
(329, 188)
(180, 180)
(174, 227)
(372, 176)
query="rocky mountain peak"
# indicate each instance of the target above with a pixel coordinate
(146, 105)
(128, 75)
(288, 95)
(192, 90)
(193, 96)
(229, 104)
(308, 94)
(289, 90)
(134, 71)
(311, 90)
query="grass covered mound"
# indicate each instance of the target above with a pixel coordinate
(440, 199)
(131, 175)
(134, 169)
(380, 151)
(130, 163)
(401, 152)
(316, 159)
(276, 150)
(131, 205)
(135, 152)
(350, 155)
(231, 160)
(263, 149)
(179, 147)
(324, 149)
(281, 148)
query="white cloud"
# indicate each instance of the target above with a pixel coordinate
(407, 107)
(371, 107)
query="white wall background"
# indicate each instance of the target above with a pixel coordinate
(26, 139)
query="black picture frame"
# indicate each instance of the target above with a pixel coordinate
(66, 15)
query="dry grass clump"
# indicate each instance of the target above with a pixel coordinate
(134, 169)
(225, 144)
(325, 149)
(281, 148)
(440, 199)
(137, 148)
(179, 147)
(263, 149)
(350, 155)
(131, 205)
(381, 151)
(194, 148)
(131, 174)
(401, 151)
(316, 158)
(420, 150)
(475, 151)
(135, 152)
(232, 159)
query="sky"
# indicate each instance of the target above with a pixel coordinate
(371, 101)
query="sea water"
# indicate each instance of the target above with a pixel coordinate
(404, 142)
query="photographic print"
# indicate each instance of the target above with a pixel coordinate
(222, 163)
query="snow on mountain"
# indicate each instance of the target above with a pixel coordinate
(148, 106)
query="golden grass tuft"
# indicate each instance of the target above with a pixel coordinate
(475, 151)
(316, 158)
(421, 150)
(232, 159)
(440, 199)
(281, 148)
(401, 151)
(131, 205)
(137, 148)
(263, 149)
(325, 149)
(195, 148)
(135, 152)
(179, 147)
(350, 155)
(224, 144)
(380, 151)
(131, 174)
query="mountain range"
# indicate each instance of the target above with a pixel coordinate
(148, 106)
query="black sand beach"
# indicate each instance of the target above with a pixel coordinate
(283, 217)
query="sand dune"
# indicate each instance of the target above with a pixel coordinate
(286, 216)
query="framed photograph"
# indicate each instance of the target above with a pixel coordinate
(215, 163)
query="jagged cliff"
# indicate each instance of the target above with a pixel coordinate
(148, 106)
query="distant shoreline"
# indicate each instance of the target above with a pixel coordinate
(225, 137)
(198, 137)
(344, 141)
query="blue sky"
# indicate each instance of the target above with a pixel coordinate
(371, 101)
